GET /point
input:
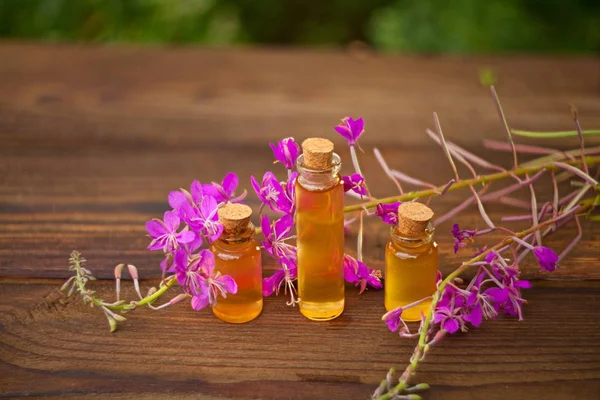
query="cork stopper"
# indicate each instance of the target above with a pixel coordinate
(413, 219)
(235, 218)
(318, 154)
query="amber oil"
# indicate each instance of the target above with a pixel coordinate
(411, 261)
(320, 231)
(237, 254)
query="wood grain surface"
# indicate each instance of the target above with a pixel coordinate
(92, 139)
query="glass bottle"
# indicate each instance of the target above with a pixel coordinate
(237, 254)
(320, 231)
(411, 261)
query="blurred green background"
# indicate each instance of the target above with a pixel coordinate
(431, 26)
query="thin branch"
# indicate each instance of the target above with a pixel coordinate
(438, 128)
(386, 169)
(505, 122)
(573, 242)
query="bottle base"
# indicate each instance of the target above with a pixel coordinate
(322, 311)
(413, 314)
(238, 315)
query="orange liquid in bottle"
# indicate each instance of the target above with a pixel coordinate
(410, 274)
(242, 262)
(320, 241)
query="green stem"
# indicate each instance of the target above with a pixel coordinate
(553, 134)
(145, 300)
(424, 331)
(591, 160)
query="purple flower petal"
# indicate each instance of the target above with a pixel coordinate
(374, 281)
(438, 317)
(350, 269)
(522, 284)
(208, 208)
(266, 226)
(356, 126)
(230, 183)
(196, 192)
(172, 221)
(271, 284)
(207, 261)
(194, 244)
(490, 257)
(178, 200)
(450, 325)
(546, 257)
(186, 237)
(200, 301)
(181, 265)
(344, 131)
(351, 129)
(497, 294)
(388, 212)
(475, 316)
(283, 226)
(228, 284)
(209, 190)
(392, 319)
(286, 152)
(156, 228)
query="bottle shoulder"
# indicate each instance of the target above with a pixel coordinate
(334, 184)
(221, 247)
(411, 248)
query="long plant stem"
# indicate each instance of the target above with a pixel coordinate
(146, 300)
(554, 134)
(465, 183)
(419, 351)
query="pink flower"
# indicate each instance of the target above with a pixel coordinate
(356, 183)
(164, 233)
(288, 273)
(271, 193)
(546, 257)
(393, 319)
(198, 278)
(461, 238)
(360, 275)
(286, 152)
(225, 191)
(199, 210)
(276, 234)
(449, 318)
(351, 129)
(388, 212)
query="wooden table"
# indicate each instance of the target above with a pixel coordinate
(93, 139)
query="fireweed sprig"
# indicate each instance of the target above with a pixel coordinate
(496, 287)
(113, 311)
(193, 268)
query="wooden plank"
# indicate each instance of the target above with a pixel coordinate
(52, 346)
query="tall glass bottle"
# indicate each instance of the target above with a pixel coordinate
(320, 231)
(411, 261)
(237, 254)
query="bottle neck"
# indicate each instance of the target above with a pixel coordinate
(312, 179)
(411, 241)
(246, 236)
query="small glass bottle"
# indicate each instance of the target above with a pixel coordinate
(237, 254)
(320, 231)
(411, 261)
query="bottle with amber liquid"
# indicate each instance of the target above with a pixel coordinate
(411, 261)
(320, 231)
(237, 254)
